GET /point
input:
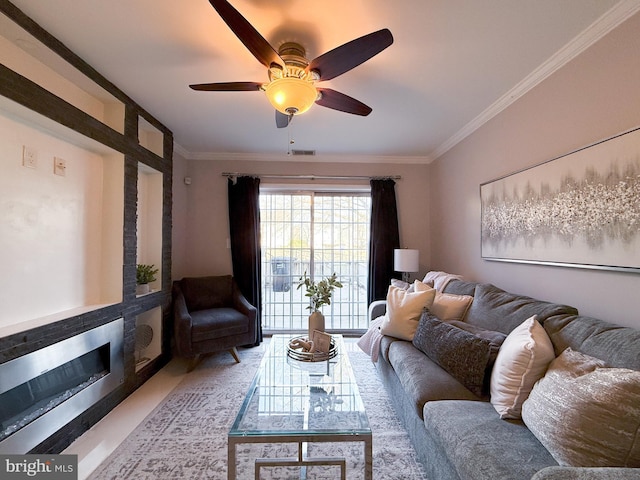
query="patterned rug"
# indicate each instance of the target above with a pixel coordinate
(186, 435)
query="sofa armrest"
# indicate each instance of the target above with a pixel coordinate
(377, 309)
(587, 473)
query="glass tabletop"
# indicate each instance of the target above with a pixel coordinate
(291, 397)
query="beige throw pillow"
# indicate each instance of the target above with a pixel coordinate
(521, 362)
(404, 309)
(586, 415)
(450, 307)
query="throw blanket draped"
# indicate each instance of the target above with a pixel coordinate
(440, 279)
(369, 343)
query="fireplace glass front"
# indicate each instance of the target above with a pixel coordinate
(42, 391)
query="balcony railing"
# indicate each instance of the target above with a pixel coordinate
(284, 306)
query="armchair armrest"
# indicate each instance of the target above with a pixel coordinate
(182, 322)
(241, 304)
(587, 473)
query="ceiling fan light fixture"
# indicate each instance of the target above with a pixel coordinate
(291, 95)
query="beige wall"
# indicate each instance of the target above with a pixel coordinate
(592, 98)
(179, 217)
(200, 243)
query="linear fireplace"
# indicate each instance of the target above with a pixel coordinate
(44, 390)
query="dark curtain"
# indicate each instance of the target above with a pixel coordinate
(244, 234)
(384, 237)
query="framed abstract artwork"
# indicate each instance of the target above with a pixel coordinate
(578, 210)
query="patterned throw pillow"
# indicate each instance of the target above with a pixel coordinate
(466, 356)
(585, 414)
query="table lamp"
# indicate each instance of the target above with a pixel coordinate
(406, 260)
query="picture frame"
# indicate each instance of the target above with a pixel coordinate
(578, 210)
(321, 341)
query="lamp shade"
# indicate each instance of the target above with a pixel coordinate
(406, 260)
(291, 95)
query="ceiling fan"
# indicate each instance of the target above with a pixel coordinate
(291, 87)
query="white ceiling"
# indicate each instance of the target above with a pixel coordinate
(453, 64)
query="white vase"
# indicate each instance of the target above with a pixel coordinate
(142, 289)
(316, 322)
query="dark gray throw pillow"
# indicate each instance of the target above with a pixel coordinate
(466, 356)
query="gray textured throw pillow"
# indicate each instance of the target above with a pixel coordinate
(586, 415)
(464, 355)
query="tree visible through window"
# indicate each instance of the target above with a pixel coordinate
(317, 233)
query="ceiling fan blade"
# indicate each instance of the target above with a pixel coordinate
(249, 36)
(282, 120)
(345, 57)
(339, 101)
(227, 87)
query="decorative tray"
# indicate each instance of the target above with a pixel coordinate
(304, 356)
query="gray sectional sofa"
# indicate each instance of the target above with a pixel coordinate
(458, 434)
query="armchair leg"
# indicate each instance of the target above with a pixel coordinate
(193, 363)
(234, 352)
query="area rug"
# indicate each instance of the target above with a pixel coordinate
(185, 437)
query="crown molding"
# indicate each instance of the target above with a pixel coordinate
(598, 29)
(622, 11)
(283, 157)
(180, 150)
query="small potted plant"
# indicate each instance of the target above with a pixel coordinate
(145, 274)
(319, 294)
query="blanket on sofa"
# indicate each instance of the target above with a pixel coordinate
(369, 343)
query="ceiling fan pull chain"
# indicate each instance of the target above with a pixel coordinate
(291, 141)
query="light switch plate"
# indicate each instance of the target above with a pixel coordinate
(59, 166)
(29, 157)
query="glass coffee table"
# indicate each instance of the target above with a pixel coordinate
(294, 401)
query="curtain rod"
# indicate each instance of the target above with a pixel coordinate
(311, 177)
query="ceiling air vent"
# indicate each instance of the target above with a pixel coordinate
(303, 152)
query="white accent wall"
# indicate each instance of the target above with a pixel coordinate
(61, 239)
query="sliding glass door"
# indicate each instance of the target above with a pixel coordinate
(318, 233)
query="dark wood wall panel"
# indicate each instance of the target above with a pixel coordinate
(36, 98)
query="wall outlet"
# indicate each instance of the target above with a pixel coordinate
(59, 166)
(29, 157)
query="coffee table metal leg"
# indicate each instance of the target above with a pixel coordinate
(368, 458)
(303, 464)
(231, 459)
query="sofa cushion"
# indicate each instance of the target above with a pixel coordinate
(521, 362)
(404, 309)
(466, 356)
(216, 323)
(493, 336)
(586, 415)
(422, 379)
(460, 287)
(449, 306)
(480, 445)
(618, 346)
(495, 309)
(588, 473)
